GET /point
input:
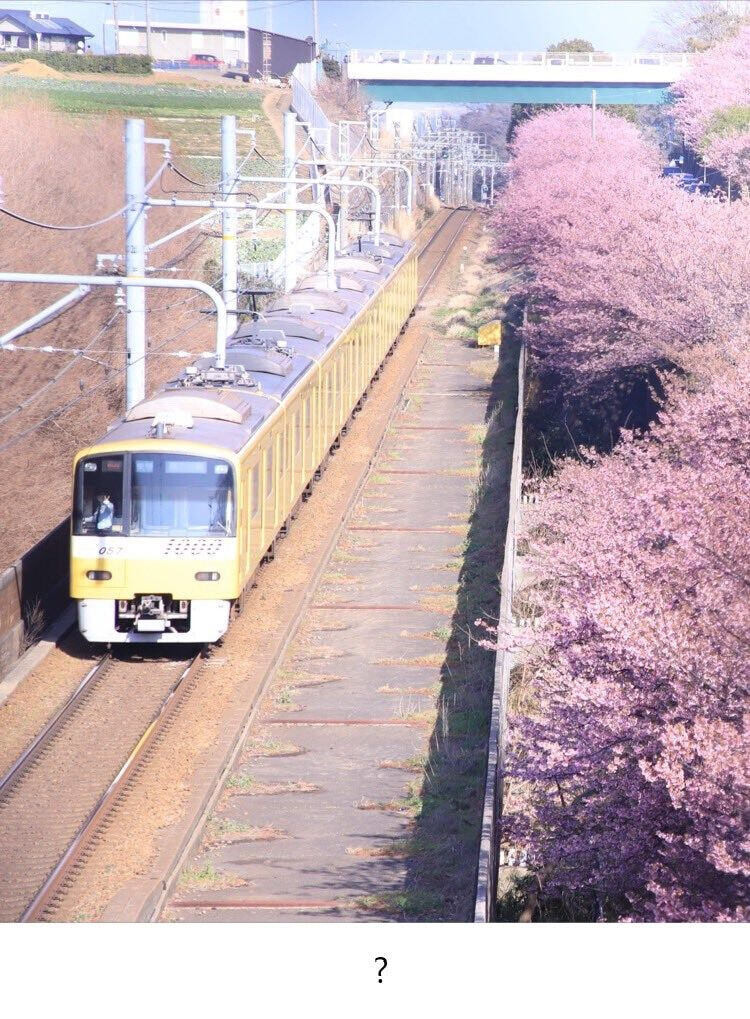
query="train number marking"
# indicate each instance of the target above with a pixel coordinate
(111, 550)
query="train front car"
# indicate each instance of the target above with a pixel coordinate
(154, 546)
(177, 506)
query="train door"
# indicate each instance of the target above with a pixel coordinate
(326, 414)
(243, 518)
(269, 492)
(298, 468)
(308, 433)
(280, 507)
(336, 393)
(371, 333)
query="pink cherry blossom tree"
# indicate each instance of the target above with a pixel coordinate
(630, 775)
(622, 269)
(635, 757)
(713, 106)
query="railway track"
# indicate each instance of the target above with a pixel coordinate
(436, 249)
(56, 798)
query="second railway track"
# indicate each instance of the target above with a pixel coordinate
(56, 798)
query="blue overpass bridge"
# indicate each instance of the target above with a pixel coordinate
(424, 76)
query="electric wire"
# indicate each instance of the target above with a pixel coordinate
(89, 392)
(27, 401)
(80, 226)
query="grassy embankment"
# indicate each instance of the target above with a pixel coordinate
(62, 162)
(186, 113)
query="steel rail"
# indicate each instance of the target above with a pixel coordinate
(55, 882)
(52, 727)
(438, 233)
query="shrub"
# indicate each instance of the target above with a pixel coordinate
(84, 63)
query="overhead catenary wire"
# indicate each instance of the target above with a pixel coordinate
(80, 226)
(89, 392)
(27, 401)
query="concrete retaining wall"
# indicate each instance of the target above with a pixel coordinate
(33, 591)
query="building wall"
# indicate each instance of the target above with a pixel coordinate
(286, 52)
(181, 44)
(18, 39)
(23, 41)
(58, 44)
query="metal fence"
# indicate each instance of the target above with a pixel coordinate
(486, 894)
(304, 104)
(273, 269)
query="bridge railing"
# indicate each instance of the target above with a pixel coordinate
(534, 58)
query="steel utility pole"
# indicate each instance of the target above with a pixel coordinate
(135, 260)
(315, 28)
(117, 26)
(229, 218)
(290, 216)
(148, 28)
(593, 113)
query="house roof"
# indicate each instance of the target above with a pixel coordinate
(188, 26)
(44, 26)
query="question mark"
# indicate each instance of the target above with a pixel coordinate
(385, 963)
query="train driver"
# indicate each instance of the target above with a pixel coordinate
(103, 516)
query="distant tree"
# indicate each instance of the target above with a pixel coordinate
(331, 67)
(521, 112)
(571, 46)
(491, 120)
(695, 25)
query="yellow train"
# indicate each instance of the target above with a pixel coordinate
(177, 505)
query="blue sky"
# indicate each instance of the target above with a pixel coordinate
(408, 24)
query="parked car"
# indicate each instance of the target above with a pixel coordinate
(203, 60)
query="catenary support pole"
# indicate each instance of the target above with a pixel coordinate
(229, 218)
(42, 316)
(117, 26)
(148, 28)
(134, 283)
(310, 183)
(135, 260)
(593, 113)
(290, 215)
(316, 33)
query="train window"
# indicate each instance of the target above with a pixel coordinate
(298, 433)
(269, 471)
(180, 495)
(255, 491)
(99, 496)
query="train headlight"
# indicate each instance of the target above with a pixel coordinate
(207, 575)
(99, 575)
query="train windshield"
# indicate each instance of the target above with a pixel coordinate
(182, 495)
(153, 493)
(99, 496)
